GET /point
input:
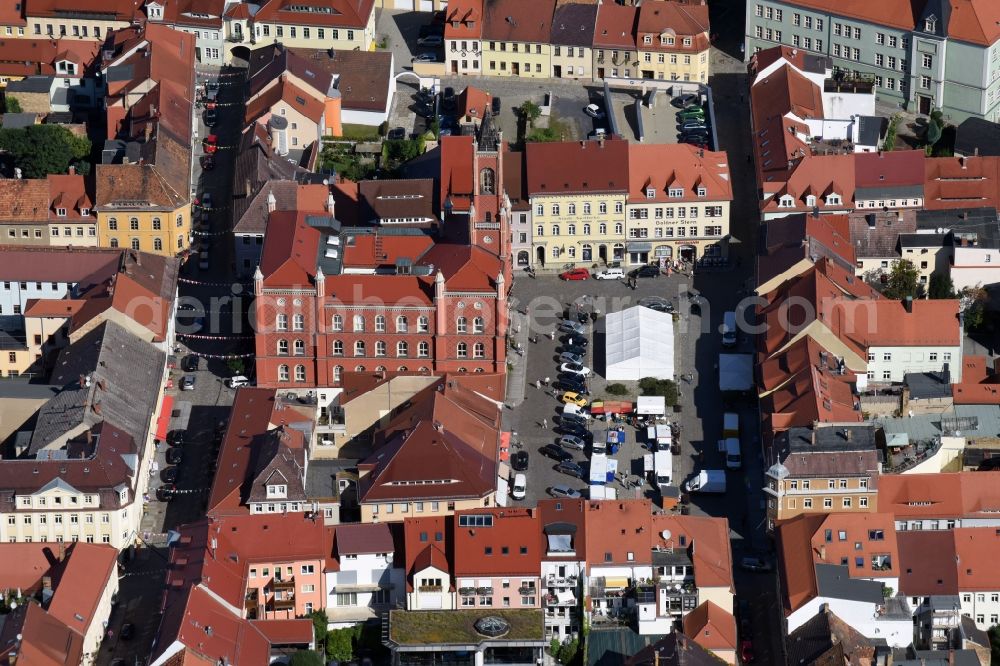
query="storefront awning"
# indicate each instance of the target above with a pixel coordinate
(163, 422)
(615, 582)
(639, 247)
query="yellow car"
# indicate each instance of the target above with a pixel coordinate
(573, 398)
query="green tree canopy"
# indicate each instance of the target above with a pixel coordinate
(903, 281)
(40, 150)
(11, 105)
(306, 658)
(941, 286)
(339, 644)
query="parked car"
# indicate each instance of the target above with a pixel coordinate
(594, 111)
(566, 420)
(684, 100)
(495, 105)
(237, 381)
(610, 274)
(575, 429)
(647, 271)
(206, 199)
(695, 134)
(166, 493)
(746, 651)
(691, 114)
(576, 385)
(755, 563)
(519, 489)
(553, 451)
(519, 461)
(566, 357)
(174, 456)
(575, 274)
(176, 437)
(692, 124)
(571, 468)
(170, 474)
(424, 57)
(211, 117)
(576, 340)
(572, 442)
(573, 349)
(574, 398)
(211, 143)
(564, 491)
(396, 134)
(575, 368)
(656, 303)
(431, 40)
(569, 326)
(187, 383)
(207, 162)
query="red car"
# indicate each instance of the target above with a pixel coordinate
(746, 651)
(575, 274)
(211, 143)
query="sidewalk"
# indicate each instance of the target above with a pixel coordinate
(517, 374)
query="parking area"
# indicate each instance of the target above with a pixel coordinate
(663, 116)
(410, 112)
(399, 30)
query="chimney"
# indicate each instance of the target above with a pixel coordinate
(330, 203)
(61, 551)
(975, 152)
(271, 202)
(908, 304)
(97, 408)
(147, 131)
(47, 582)
(72, 170)
(961, 160)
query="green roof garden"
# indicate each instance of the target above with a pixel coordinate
(458, 627)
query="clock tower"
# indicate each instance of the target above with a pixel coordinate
(489, 214)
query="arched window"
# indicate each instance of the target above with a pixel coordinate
(338, 347)
(338, 372)
(380, 347)
(586, 209)
(282, 322)
(423, 350)
(338, 323)
(424, 370)
(114, 242)
(158, 244)
(359, 323)
(487, 181)
(571, 229)
(282, 373)
(156, 224)
(300, 373)
(379, 368)
(359, 348)
(298, 322)
(478, 350)
(478, 325)
(359, 368)
(112, 224)
(463, 350)
(555, 229)
(282, 347)
(586, 230)
(401, 324)
(403, 368)
(299, 347)
(135, 243)
(571, 209)
(402, 349)
(133, 224)
(379, 323)
(523, 258)
(602, 229)
(619, 229)
(423, 324)
(460, 325)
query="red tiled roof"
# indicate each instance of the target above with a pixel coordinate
(89, 568)
(408, 290)
(518, 21)
(464, 19)
(889, 169)
(682, 19)
(45, 641)
(457, 153)
(711, 627)
(117, 10)
(940, 496)
(975, 21)
(980, 386)
(290, 249)
(663, 167)
(358, 539)
(376, 250)
(286, 632)
(796, 566)
(577, 167)
(421, 537)
(335, 13)
(616, 25)
(10, 14)
(854, 535)
(960, 182)
(511, 543)
(791, 239)
(465, 268)
(473, 102)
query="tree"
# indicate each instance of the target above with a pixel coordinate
(306, 658)
(236, 367)
(529, 111)
(320, 623)
(339, 644)
(941, 286)
(972, 305)
(40, 150)
(662, 387)
(903, 281)
(933, 133)
(11, 105)
(994, 634)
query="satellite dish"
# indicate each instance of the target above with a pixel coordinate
(665, 534)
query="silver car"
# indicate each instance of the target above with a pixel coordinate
(572, 442)
(564, 491)
(568, 357)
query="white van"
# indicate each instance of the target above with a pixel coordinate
(730, 447)
(663, 469)
(237, 381)
(610, 274)
(729, 329)
(520, 488)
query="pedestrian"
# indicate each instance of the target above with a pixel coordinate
(545, 424)
(546, 381)
(538, 384)
(552, 336)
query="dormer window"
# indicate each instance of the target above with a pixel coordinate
(785, 202)
(84, 212)
(675, 192)
(702, 192)
(650, 192)
(930, 24)
(61, 212)
(663, 39)
(277, 491)
(833, 200)
(811, 200)
(687, 41)
(648, 39)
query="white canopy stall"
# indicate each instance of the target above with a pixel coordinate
(639, 343)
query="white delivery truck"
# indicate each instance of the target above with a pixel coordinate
(659, 437)
(730, 424)
(730, 447)
(598, 469)
(663, 469)
(707, 481)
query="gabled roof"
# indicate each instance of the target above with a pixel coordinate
(567, 167)
(891, 13)
(794, 242)
(875, 234)
(616, 25)
(331, 13)
(107, 10)
(426, 542)
(445, 445)
(961, 182)
(940, 496)
(463, 19)
(290, 249)
(665, 167)
(283, 90)
(457, 154)
(517, 21)
(711, 627)
(358, 539)
(573, 24)
(674, 18)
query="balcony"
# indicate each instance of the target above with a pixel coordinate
(527, 590)
(555, 581)
(283, 584)
(561, 600)
(609, 588)
(429, 588)
(284, 604)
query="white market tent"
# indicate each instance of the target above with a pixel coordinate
(639, 343)
(651, 405)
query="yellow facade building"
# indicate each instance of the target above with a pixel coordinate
(161, 230)
(65, 18)
(577, 192)
(323, 24)
(517, 38)
(673, 41)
